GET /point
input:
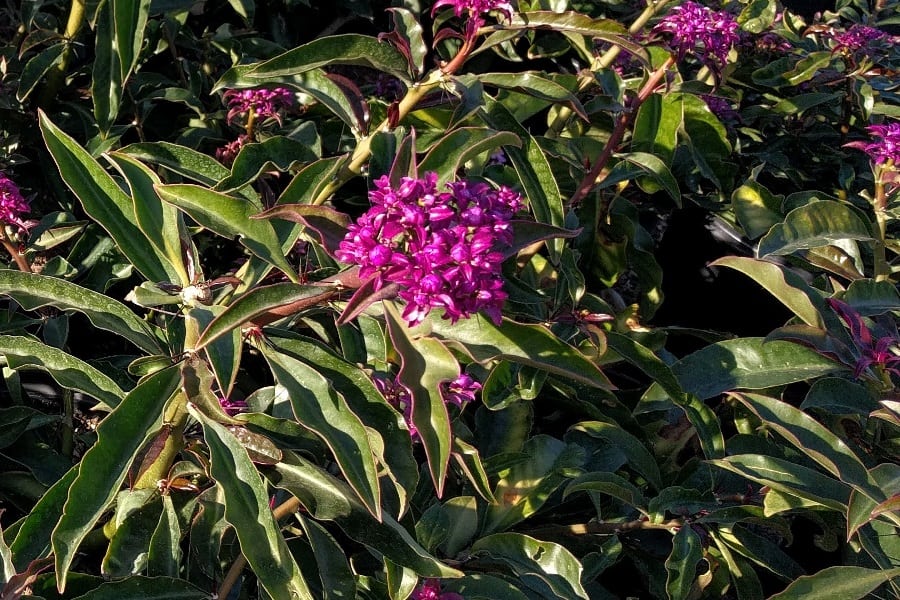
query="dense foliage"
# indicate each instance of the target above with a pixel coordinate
(466, 299)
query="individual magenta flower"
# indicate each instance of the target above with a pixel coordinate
(461, 390)
(722, 108)
(399, 397)
(430, 589)
(232, 407)
(12, 204)
(697, 30)
(442, 249)
(883, 352)
(887, 147)
(475, 8)
(261, 103)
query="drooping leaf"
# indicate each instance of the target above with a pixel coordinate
(639, 457)
(329, 225)
(180, 159)
(681, 563)
(817, 224)
(146, 588)
(277, 152)
(104, 466)
(845, 582)
(454, 149)
(247, 510)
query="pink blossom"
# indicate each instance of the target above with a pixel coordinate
(475, 8)
(430, 589)
(859, 37)
(12, 204)
(461, 390)
(262, 102)
(698, 30)
(227, 153)
(887, 147)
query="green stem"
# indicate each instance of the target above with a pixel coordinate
(58, 75)
(879, 204)
(13, 251)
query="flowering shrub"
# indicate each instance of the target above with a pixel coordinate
(449, 301)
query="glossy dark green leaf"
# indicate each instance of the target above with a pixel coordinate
(761, 550)
(869, 297)
(756, 208)
(839, 396)
(33, 534)
(128, 547)
(533, 84)
(37, 67)
(817, 224)
(347, 49)
(231, 218)
(480, 586)
(164, 553)
(572, 22)
(103, 200)
(104, 466)
(757, 16)
(224, 352)
(532, 345)
(462, 144)
(789, 478)
(338, 580)
(185, 161)
(309, 182)
(146, 588)
(278, 152)
(609, 484)
(639, 457)
(746, 583)
(68, 371)
(545, 567)
(533, 170)
(425, 364)
(328, 498)
(462, 517)
(14, 421)
(34, 291)
(681, 563)
(845, 582)
(408, 29)
(329, 225)
(654, 167)
(745, 363)
(247, 510)
(322, 409)
(468, 459)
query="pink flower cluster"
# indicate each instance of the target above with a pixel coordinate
(442, 249)
(858, 37)
(430, 589)
(475, 8)
(262, 102)
(698, 30)
(459, 392)
(12, 204)
(227, 153)
(887, 148)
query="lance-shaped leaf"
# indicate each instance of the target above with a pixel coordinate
(347, 49)
(869, 297)
(532, 345)
(745, 363)
(277, 152)
(103, 200)
(681, 564)
(817, 224)
(104, 466)
(68, 371)
(247, 509)
(338, 580)
(329, 225)
(161, 223)
(454, 149)
(533, 170)
(187, 162)
(545, 567)
(532, 84)
(231, 218)
(33, 532)
(426, 365)
(328, 498)
(320, 408)
(224, 352)
(609, 484)
(146, 588)
(640, 459)
(844, 582)
(33, 291)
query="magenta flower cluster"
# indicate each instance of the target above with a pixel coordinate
(12, 204)
(262, 102)
(442, 249)
(887, 147)
(227, 153)
(430, 589)
(858, 37)
(475, 8)
(698, 30)
(460, 391)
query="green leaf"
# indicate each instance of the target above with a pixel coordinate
(161, 223)
(164, 553)
(37, 67)
(127, 551)
(146, 588)
(189, 163)
(533, 84)
(338, 580)
(745, 363)
(545, 567)
(425, 364)
(844, 582)
(329, 225)
(639, 457)
(328, 498)
(103, 200)
(681, 563)
(869, 297)
(347, 49)
(609, 484)
(533, 170)
(817, 224)
(277, 152)
(65, 369)
(33, 535)
(655, 168)
(756, 208)
(572, 22)
(323, 410)
(309, 182)
(406, 27)
(478, 586)
(840, 396)
(230, 218)
(786, 285)
(224, 352)
(462, 144)
(104, 466)
(757, 16)
(34, 291)
(532, 345)
(247, 510)
(789, 478)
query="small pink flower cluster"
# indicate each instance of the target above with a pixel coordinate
(12, 204)
(459, 392)
(232, 407)
(263, 102)
(440, 248)
(430, 589)
(888, 146)
(475, 8)
(698, 30)
(859, 37)
(227, 153)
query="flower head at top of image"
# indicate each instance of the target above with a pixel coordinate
(441, 249)
(695, 29)
(262, 102)
(475, 8)
(12, 204)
